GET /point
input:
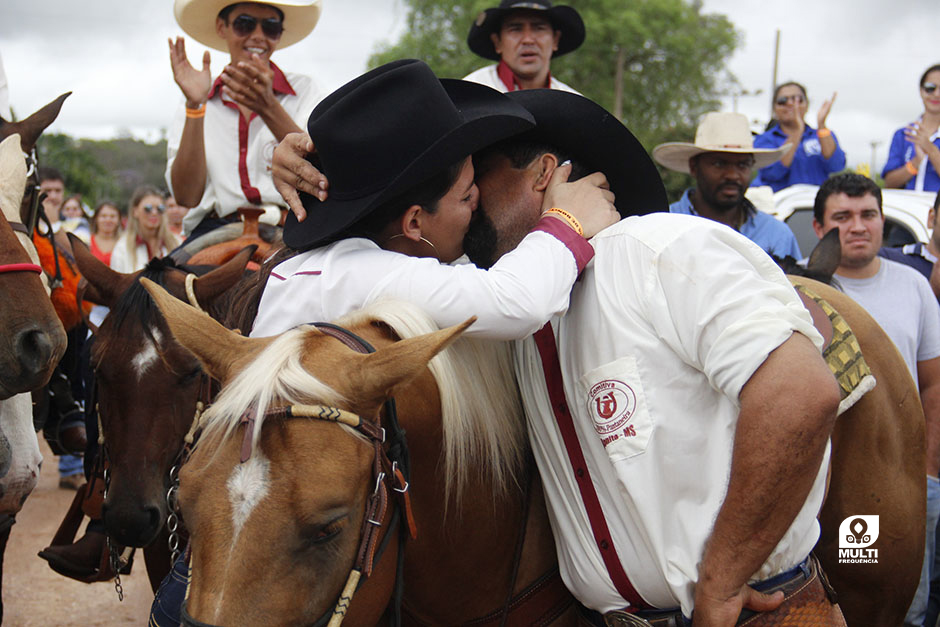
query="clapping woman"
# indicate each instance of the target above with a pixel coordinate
(914, 155)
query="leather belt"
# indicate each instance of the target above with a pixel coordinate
(232, 217)
(789, 582)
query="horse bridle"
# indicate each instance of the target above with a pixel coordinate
(27, 229)
(390, 464)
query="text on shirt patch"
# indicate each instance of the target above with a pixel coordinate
(612, 404)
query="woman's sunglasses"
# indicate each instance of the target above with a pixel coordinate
(929, 88)
(797, 98)
(245, 25)
(154, 208)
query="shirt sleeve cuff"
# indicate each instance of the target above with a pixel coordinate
(581, 249)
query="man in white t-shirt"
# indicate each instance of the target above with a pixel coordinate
(683, 462)
(523, 36)
(900, 299)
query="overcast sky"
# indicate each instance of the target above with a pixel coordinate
(113, 55)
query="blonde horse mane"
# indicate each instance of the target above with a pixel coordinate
(484, 432)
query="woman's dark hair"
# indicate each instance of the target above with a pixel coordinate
(923, 77)
(788, 84)
(94, 216)
(247, 294)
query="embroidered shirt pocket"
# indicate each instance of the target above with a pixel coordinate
(618, 408)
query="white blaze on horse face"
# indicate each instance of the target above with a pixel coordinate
(148, 355)
(247, 486)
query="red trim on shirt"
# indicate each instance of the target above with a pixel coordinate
(548, 351)
(581, 249)
(511, 81)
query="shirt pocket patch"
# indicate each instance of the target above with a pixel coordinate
(617, 407)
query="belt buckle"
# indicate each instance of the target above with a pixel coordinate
(619, 618)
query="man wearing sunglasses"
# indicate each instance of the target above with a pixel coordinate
(220, 144)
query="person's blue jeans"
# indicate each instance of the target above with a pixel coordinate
(917, 613)
(167, 603)
(70, 465)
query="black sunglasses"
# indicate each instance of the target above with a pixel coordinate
(154, 208)
(245, 25)
(929, 88)
(782, 100)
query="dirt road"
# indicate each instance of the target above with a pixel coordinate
(34, 595)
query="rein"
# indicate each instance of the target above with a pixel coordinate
(20, 267)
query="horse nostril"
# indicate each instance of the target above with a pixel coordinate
(34, 349)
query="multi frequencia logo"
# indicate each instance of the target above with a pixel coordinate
(856, 535)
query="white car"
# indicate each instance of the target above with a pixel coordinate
(905, 213)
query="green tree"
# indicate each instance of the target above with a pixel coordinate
(665, 57)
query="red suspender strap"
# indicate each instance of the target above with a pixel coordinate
(548, 351)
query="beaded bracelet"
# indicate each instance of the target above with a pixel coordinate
(567, 217)
(910, 168)
(196, 113)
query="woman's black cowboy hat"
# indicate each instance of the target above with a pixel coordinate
(563, 18)
(389, 130)
(584, 131)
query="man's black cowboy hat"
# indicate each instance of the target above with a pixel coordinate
(389, 130)
(563, 18)
(585, 132)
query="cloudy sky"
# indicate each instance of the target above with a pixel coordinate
(112, 54)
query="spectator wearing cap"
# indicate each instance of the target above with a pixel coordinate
(523, 36)
(722, 160)
(220, 145)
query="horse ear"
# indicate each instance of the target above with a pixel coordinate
(104, 284)
(32, 127)
(382, 370)
(209, 286)
(216, 347)
(825, 258)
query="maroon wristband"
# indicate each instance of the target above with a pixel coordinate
(581, 249)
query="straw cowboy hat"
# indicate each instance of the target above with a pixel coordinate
(718, 132)
(389, 130)
(584, 131)
(563, 18)
(197, 19)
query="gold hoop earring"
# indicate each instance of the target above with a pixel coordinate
(437, 255)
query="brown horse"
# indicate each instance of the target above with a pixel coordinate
(877, 468)
(147, 388)
(480, 551)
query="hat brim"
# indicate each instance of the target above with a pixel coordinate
(564, 18)
(587, 133)
(485, 122)
(675, 155)
(197, 19)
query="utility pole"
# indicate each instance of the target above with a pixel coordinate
(773, 84)
(874, 145)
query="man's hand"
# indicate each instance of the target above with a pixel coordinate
(193, 83)
(293, 173)
(723, 611)
(250, 84)
(824, 111)
(588, 199)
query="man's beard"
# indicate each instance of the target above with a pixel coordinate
(479, 244)
(724, 205)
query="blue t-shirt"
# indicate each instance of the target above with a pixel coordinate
(763, 229)
(809, 165)
(914, 255)
(902, 151)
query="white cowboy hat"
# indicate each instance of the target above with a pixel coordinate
(197, 19)
(718, 132)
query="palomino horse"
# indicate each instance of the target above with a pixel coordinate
(147, 388)
(480, 553)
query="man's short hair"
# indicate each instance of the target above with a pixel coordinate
(50, 174)
(224, 13)
(851, 184)
(522, 152)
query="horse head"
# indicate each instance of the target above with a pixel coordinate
(822, 263)
(310, 479)
(147, 385)
(33, 339)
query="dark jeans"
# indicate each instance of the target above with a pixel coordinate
(168, 601)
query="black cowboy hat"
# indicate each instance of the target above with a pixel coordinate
(584, 131)
(563, 18)
(389, 130)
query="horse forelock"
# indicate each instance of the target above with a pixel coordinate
(484, 430)
(275, 377)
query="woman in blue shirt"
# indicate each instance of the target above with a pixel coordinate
(814, 153)
(914, 156)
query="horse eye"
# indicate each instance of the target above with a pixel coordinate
(190, 376)
(325, 533)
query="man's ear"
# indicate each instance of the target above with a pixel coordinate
(931, 218)
(220, 25)
(556, 40)
(544, 167)
(818, 228)
(494, 37)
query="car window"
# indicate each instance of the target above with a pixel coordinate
(801, 223)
